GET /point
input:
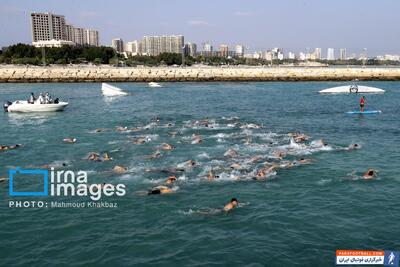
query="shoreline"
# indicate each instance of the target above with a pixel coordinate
(87, 73)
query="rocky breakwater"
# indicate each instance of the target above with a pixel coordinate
(144, 74)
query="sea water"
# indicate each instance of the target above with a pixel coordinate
(295, 217)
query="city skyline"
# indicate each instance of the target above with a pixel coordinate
(259, 25)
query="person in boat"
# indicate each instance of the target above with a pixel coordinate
(362, 103)
(231, 205)
(41, 99)
(31, 99)
(47, 98)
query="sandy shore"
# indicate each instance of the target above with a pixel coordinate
(12, 73)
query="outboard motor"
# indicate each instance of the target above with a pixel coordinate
(6, 105)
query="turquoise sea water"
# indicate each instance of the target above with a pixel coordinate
(298, 217)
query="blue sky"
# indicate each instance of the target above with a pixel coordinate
(294, 25)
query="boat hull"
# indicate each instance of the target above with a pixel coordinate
(109, 90)
(351, 90)
(25, 107)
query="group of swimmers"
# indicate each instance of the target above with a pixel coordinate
(42, 99)
(235, 164)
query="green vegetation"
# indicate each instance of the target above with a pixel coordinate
(28, 54)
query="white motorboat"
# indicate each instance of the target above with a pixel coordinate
(352, 89)
(109, 90)
(24, 107)
(154, 84)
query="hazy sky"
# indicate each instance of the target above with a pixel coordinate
(294, 25)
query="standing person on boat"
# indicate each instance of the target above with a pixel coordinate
(31, 99)
(48, 99)
(362, 103)
(41, 99)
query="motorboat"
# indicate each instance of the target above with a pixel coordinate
(109, 90)
(154, 84)
(24, 106)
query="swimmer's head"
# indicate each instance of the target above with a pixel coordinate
(154, 192)
(371, 172)
(234, 201)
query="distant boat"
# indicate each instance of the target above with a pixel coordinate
(25, 107)
(109, 90)
(154, 84)
(352, 89)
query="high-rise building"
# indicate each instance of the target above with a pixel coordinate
(223, 50)
(47, 26)
(330, 54)
(207, 50)
(190, 49)
(70, 33)
(80, 36)
(291, 55)
(318, 53)
(155, 45)
(239, 50)
(133, 47)
(342, 54)
(118, 45)
(92, 37)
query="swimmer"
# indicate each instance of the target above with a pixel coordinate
(121, 129)
(69, 140)
(169, 125)
(2, 180)
(120, 169)
(304, 161)
(279, 154)
(167, 147)
(9, 147)
(353, 147)
(93, 156)
(170, 180)
(106, 157)
(370, 174)
(159, 190)
(196, 139)
(231, 153)
(211, 176)
(187, 164)
(301, 138)
(139, 140)
(99, 130)
(319, 143)
(231, 205)
(256, 159)
(155, 155)
(235, 166)
(262, 173)
(250, 126)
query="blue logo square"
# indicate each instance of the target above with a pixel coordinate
(44, 173)
(391, 258)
